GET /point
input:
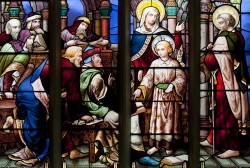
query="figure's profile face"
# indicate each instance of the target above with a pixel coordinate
(161, 50)
(15, 29)
(222, 24)
(96, 60)
(29, 43)
(35, 24)
(151, 18)
(78, 58)
(83, 26)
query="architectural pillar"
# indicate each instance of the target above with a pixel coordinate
(105, 9)
(97, 23)
(1, 18)
(13, 10)
(45, 16)
(22, 13)
(205, 6)
(90, 16)
(64, 11)
(5, 14)
(171, 9)
(164, 23)
(211, 25)
(185, 33)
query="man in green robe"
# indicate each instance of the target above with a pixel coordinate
(100, 100)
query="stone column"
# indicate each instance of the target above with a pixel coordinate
(205, 6)
(185, 33)
(97, 23)
(105, 9)
(171, 9)
(14, 10)
(22, 13)
(45, 16)
(1, 18)
(5, 14)
(164, 23)
(211, 25)
(92, 24)
(64, 11)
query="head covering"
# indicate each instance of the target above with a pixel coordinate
(21, 40)
(88, 52)
(143, 18)
(32, 16)
(72, 29)
(150, 3)
(84, 19)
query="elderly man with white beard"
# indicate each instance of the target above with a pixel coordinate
(12, 29)
(79, 33)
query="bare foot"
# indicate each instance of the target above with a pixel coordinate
(206, 143)
(65, 154)
(152, 150)
(75, 154)
(8, 123)
(169, 152)
(229, 153)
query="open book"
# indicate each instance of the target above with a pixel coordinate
(174, 160)
(82, 122)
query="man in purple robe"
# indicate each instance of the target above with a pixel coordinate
(79, 33)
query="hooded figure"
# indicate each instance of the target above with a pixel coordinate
(79, 32)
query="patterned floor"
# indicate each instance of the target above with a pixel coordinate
(211, 161)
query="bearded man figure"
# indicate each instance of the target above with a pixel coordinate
(12, 29)
(14, 60)
(226, 57)
(33, 24)
(79, 33)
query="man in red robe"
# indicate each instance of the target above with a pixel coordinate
(228, 62)
(70, 63)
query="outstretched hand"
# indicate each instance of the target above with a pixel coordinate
(137, 93)
(111, 80)
(180, 26)
(210, 46)
(40, 93)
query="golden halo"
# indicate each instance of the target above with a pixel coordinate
(147, 3)
(162, 38)
(226, 9)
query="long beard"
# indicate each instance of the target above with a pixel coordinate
(81, 33)
(14, 35)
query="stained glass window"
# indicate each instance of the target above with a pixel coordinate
(24, 89)
(224, 81)
(159, 77)
(62, 93)
(89, 96)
